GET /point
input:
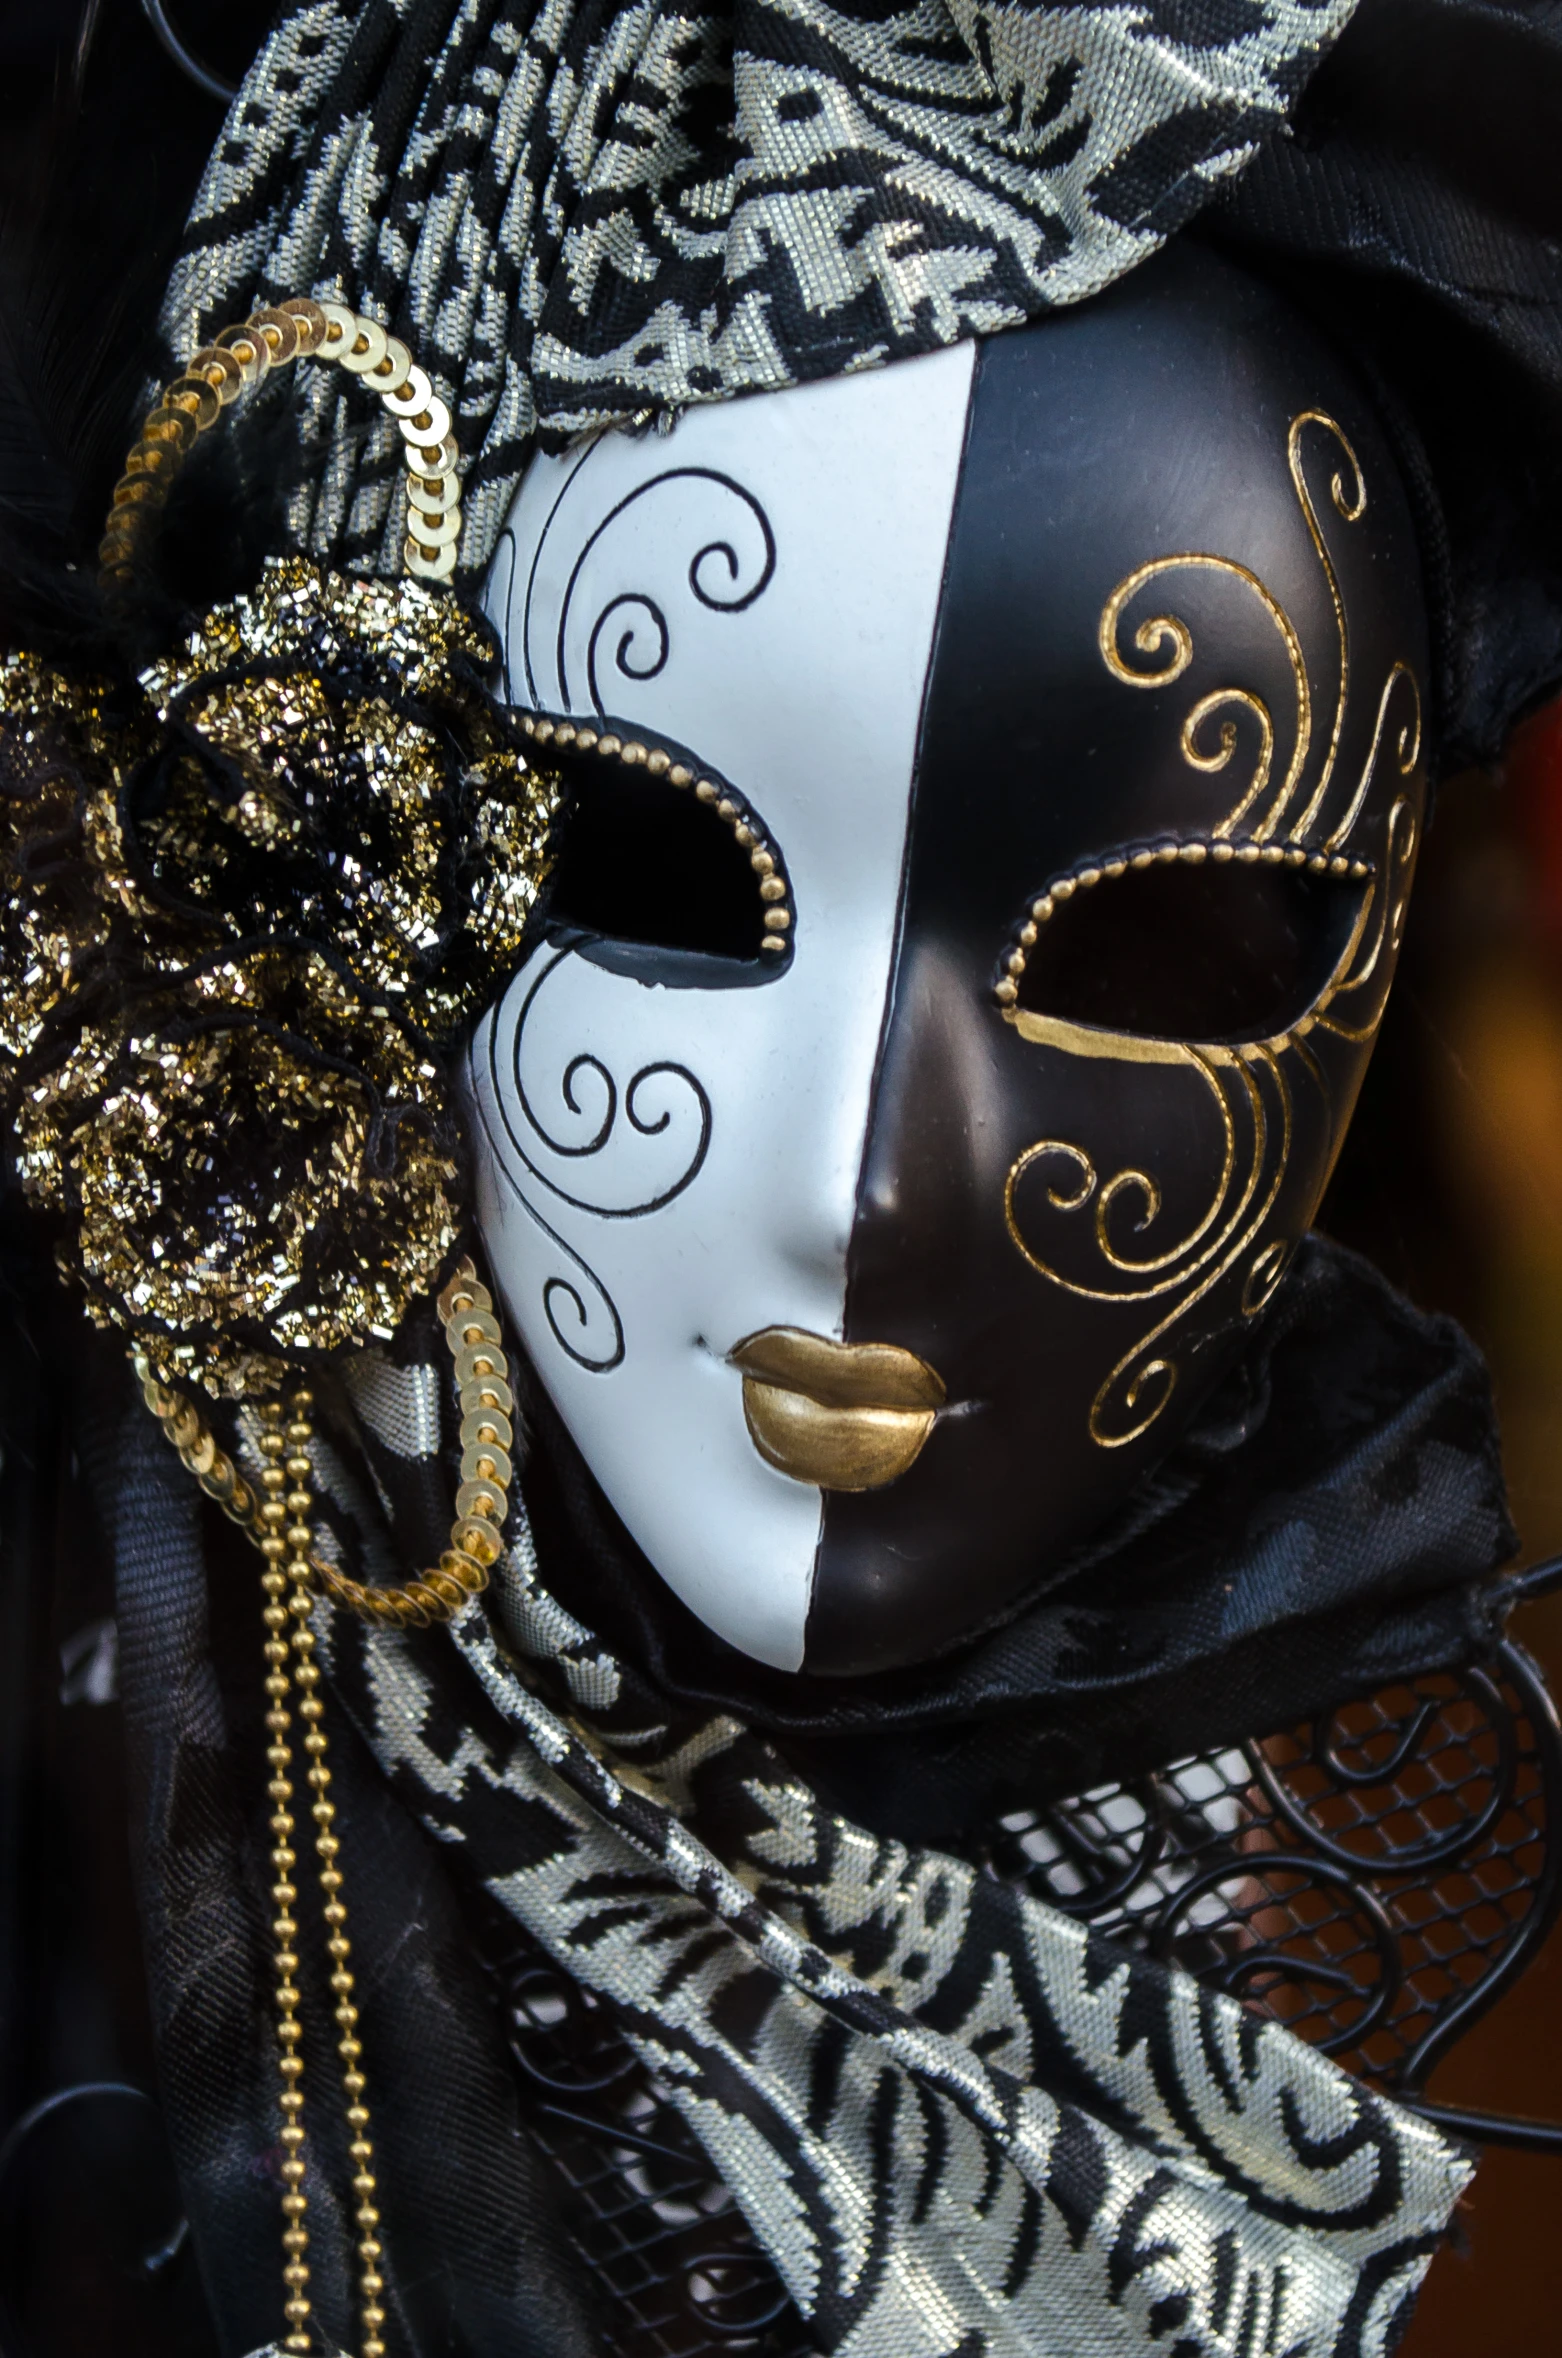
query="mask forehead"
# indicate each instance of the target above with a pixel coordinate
(1175, 602)
(762, 586)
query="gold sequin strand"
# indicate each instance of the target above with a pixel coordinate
(238, 359)
(487, 1403)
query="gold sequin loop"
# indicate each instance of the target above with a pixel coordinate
(238, 358)
(482, 1502)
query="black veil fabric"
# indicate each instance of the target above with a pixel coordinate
(476, 2260)
(99, 1519)
(1415, 201)
(1329, 1524)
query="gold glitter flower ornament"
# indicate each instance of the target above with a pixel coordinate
(250, 902)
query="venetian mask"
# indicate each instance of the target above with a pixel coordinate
(996, 790)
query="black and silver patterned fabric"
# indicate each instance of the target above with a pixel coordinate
(959, 2122)
(600, 211)
(957, 2119)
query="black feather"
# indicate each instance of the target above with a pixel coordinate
(116, 141)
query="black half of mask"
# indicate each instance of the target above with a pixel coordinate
(1167, 803)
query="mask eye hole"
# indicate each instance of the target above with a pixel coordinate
(666, 875)
(1177, 951)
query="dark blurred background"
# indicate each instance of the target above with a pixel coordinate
(1451, 1181)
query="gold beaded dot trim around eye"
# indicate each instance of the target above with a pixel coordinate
(1187, 852)
(658, 762)
(238, 359)
(482, 1374)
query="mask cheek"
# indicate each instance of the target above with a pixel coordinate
(1165, 1194)
(615, 1141)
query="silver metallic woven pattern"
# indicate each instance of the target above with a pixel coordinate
(960, 2124)
(581, 212)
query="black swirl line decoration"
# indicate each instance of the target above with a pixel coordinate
(728, 571)
(646, 1119)
(523, 636)
(582, 1312)
(499, 606)
(631, 606)
(564, 1289)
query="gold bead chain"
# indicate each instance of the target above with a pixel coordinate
(289, 1592)
(284, 1890)
(293, 1577)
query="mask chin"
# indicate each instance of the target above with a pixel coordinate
(873, 1256)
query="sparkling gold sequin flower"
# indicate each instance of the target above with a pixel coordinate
(247, 915)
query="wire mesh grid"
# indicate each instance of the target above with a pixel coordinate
(1372, 1879)
(678, 2270)
(1369, 1878)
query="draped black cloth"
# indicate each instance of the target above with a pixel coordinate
(1416, 199)
(1325, 1527)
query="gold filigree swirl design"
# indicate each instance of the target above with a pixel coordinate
(1209, 734)
(1125, 1253)
(1158, 633)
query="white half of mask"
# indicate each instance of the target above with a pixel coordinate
(664, 1171)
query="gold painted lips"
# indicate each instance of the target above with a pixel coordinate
(844, 1416)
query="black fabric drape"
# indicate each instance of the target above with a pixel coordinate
(1417, 197)
(476, 2262)
(1326, 1526)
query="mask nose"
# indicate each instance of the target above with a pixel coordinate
(819, 1158)
(936, 1147)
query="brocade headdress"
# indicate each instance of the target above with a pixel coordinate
(256, 892)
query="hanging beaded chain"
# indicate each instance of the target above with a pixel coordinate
(482, 1374)
(289, 1599)
(277, 1519)
(237, 359)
